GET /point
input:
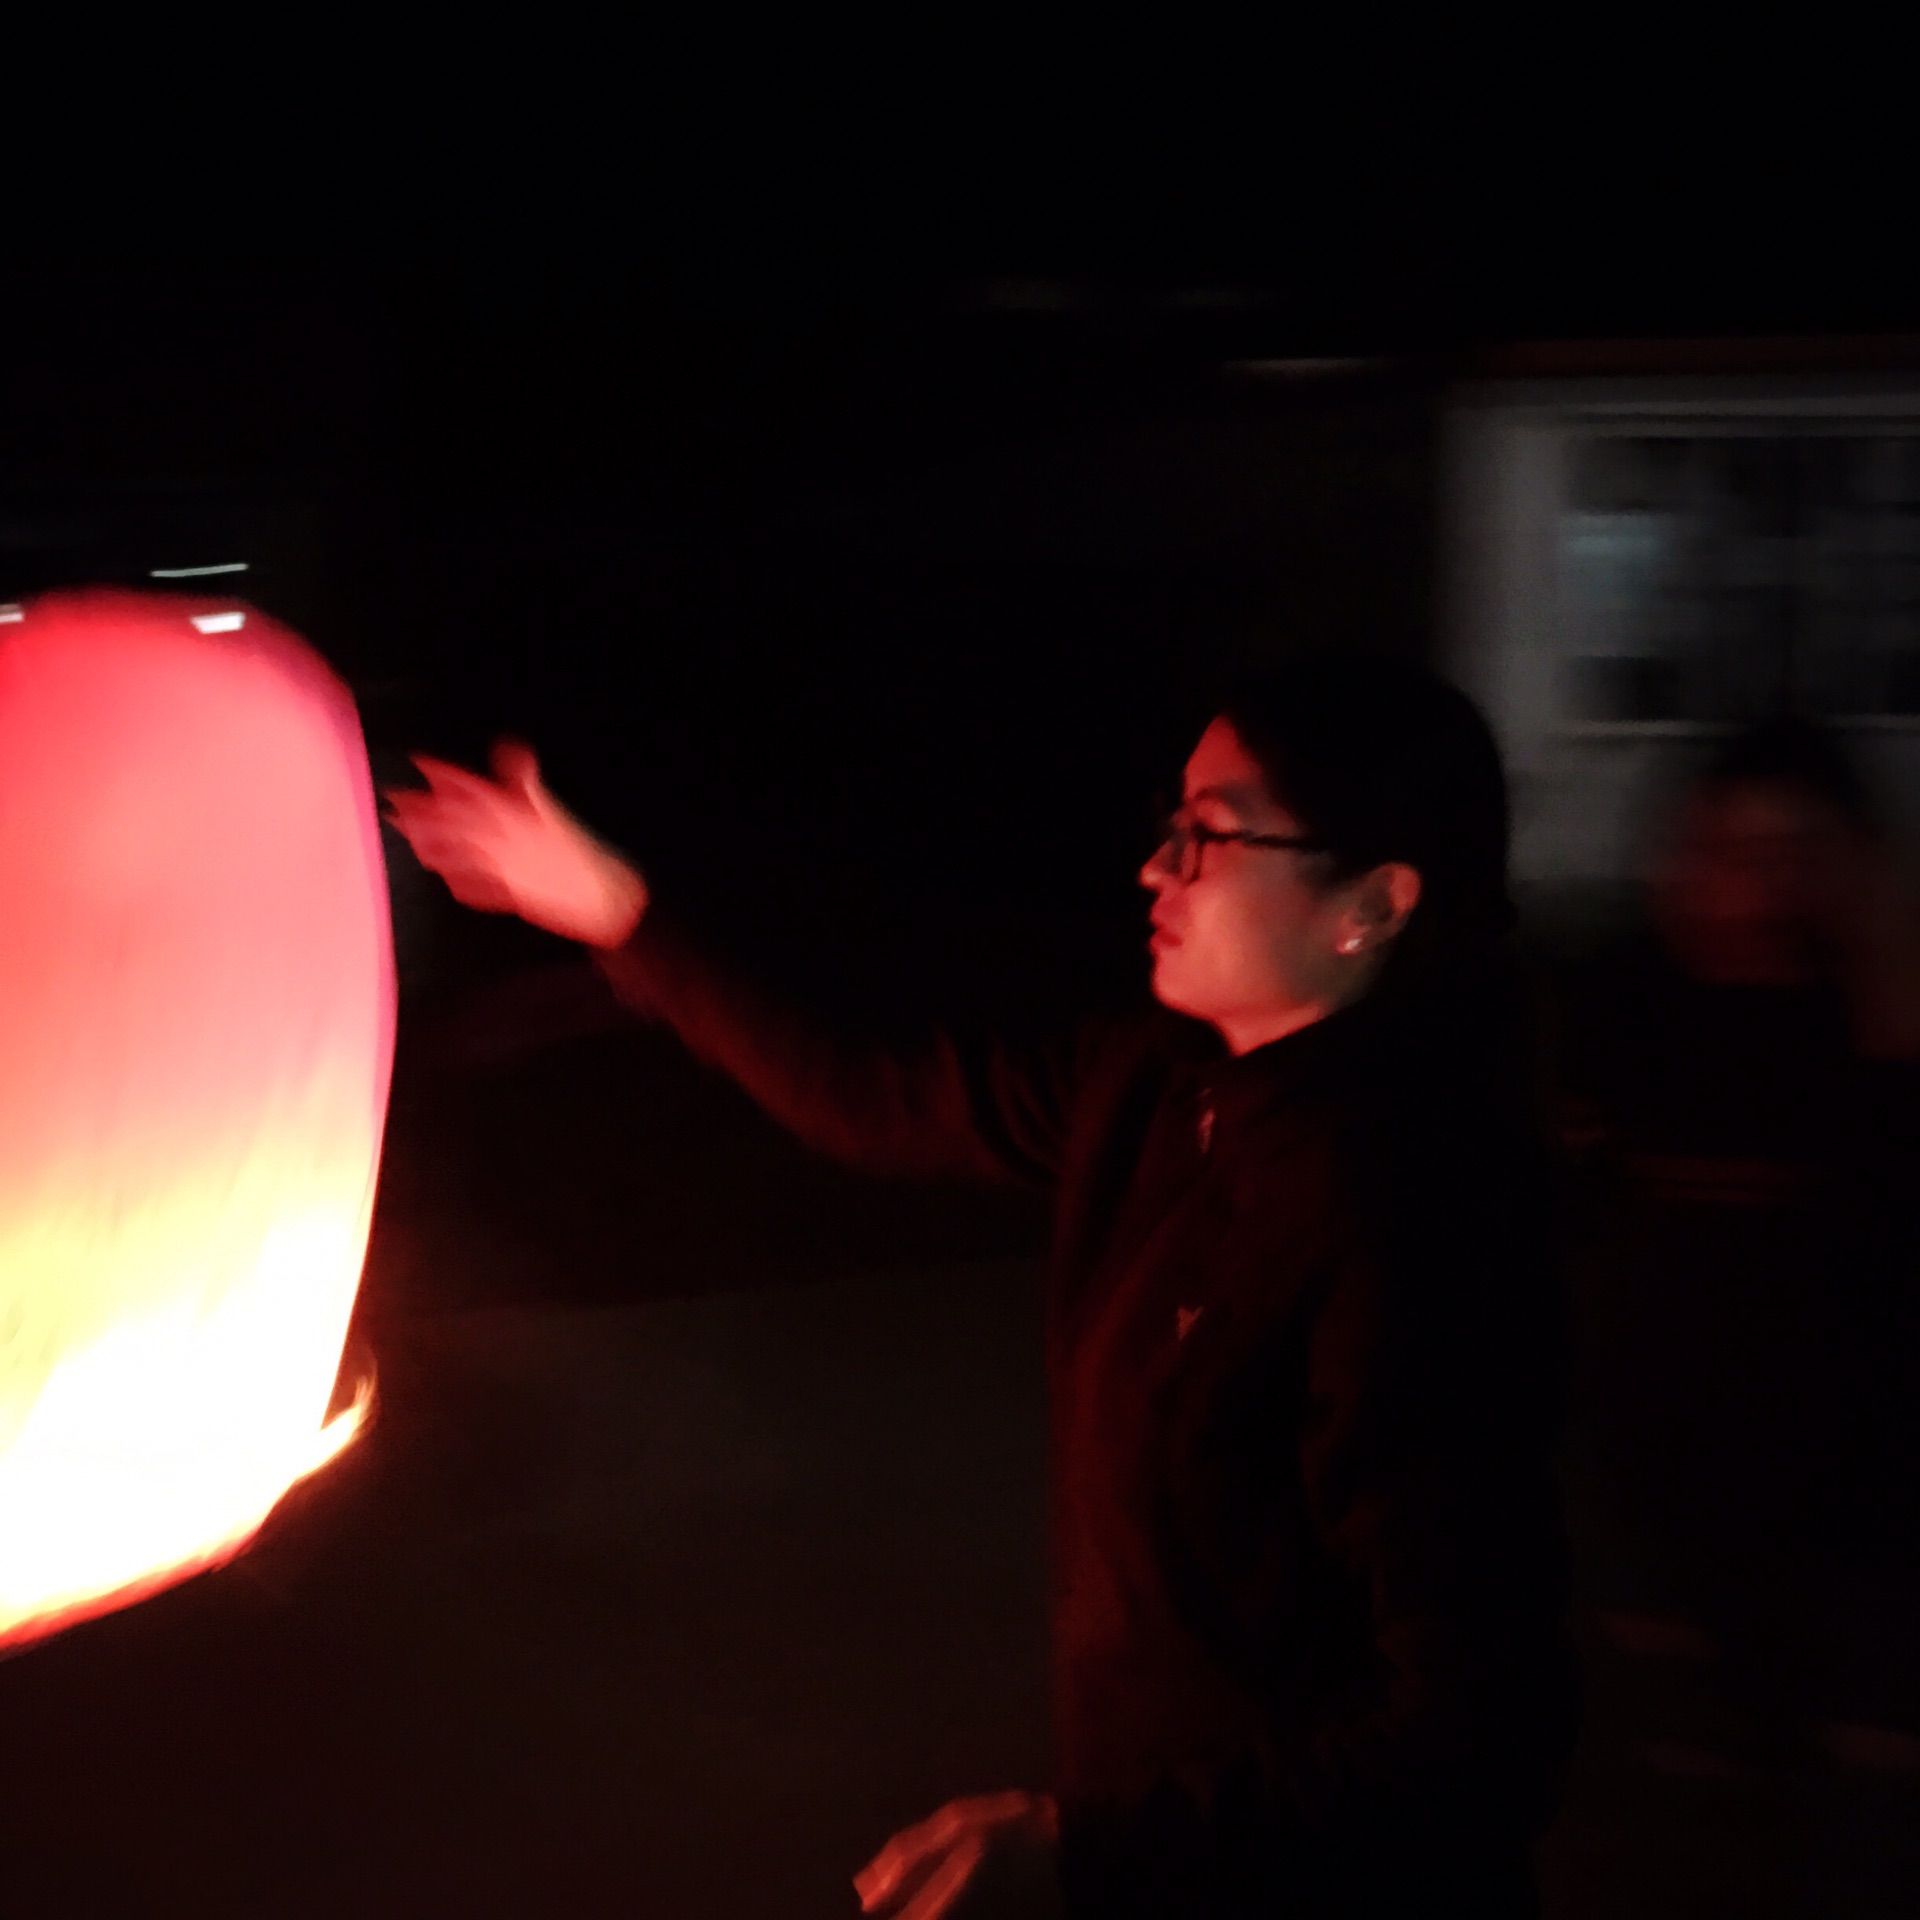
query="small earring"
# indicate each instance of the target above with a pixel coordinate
(1352, 943)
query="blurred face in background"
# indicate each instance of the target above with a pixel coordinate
(1753, 883)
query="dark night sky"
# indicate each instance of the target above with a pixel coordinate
(846, 598)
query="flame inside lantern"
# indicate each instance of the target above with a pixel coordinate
(196, 1035)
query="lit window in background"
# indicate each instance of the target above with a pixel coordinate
(1707, 576)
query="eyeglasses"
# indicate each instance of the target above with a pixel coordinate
(1187, 841)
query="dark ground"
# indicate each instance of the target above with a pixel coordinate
(695, 1547)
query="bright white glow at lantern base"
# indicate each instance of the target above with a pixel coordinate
(196, 1035)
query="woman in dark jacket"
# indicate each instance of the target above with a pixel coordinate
(1303, 1326)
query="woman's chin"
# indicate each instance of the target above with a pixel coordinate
(1168, 987)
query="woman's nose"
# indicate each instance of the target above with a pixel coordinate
(1156, 873)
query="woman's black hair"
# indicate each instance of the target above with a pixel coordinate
(1383, 761)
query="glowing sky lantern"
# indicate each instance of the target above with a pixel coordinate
(196, 1032)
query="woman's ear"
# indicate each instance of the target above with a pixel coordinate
(1382, 904)
(1400, 884)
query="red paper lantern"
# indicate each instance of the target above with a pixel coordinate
(196, 1036)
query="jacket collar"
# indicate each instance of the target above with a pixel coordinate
(1328, 1058)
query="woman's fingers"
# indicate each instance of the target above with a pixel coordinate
(506, 845)
(941, 1867)
(908, 1853)
(881, 1878)
(947, 1885)
(445, 854)
(515, 765)
(424, 816)
(418, 813)
(446, 845)
(478, 888)
(422, 824)
(443, 777)
(457, 805)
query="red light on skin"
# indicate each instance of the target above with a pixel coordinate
(196, 991)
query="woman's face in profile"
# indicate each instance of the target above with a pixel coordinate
(1244, 936)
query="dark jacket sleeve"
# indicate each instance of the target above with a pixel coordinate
(989, 1109)
(1433, 1383)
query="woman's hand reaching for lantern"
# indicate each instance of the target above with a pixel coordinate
(506, 845)
(994, 1857)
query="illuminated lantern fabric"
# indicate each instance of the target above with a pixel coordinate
(196, 1033)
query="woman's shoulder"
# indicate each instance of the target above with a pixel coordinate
(1454, 1111)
